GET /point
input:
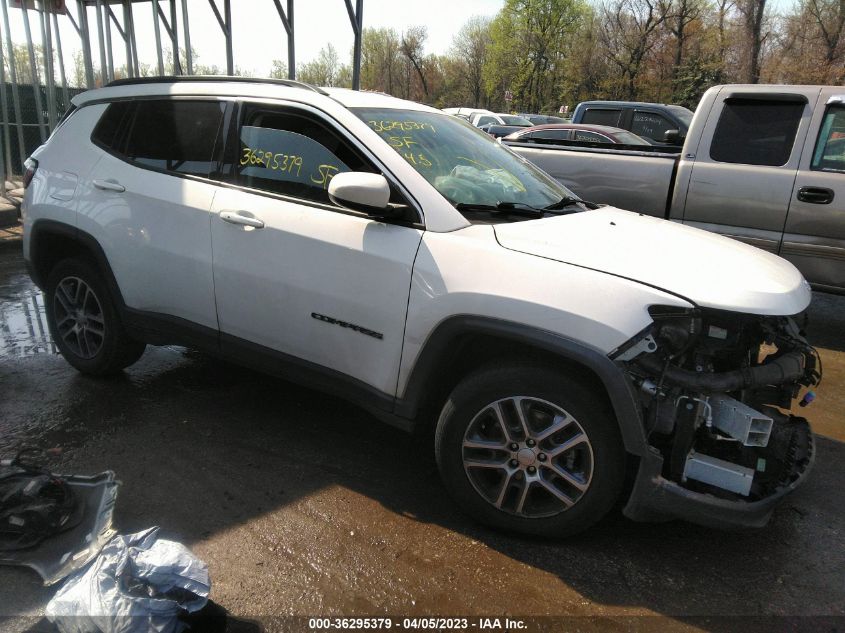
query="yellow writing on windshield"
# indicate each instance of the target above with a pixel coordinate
(401, 126)
(289, 163)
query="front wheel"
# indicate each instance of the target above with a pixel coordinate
(84, 322)
(528, 449)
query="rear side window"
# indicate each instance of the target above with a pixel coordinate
(651, 125)
(174, 135)
(110, 124)
(290, 153)
(602, 116)
(829, 154)
(552, 135)
(756, 131)
(484, 120)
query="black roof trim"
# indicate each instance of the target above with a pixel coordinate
(290, 83)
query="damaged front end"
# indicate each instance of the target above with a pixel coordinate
(714, 389)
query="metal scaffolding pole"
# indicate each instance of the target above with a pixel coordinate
(127, 42)
(230, 56)
(85, 38)
(61, 57)
(129, 22)
(6, 154)
(174, 37)
(49, 72)
(109, 50)
(36, 81)
(287, 22)
(101, 37)
(157, 30)
(189, 55)
(356, 18)
(13, 75)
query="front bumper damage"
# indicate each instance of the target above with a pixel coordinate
(721, 448)
(655, 498)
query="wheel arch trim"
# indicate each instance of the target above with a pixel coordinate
(42, 227)
(449, 332)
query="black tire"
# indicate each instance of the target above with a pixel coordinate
(101, 354)
(545, 389)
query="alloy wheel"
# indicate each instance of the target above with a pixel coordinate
(79, 317)
(527, 457)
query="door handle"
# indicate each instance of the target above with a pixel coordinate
(109, 185)
(237, 217)
(815, 195)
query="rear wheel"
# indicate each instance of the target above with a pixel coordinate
(528, 449)
(84, 322)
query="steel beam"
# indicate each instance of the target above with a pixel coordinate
(36, 81)
(157, 30)
(356, 18)
(16, 97)
(49, 71)
(62, 75)
(85, 37)
(189, 55)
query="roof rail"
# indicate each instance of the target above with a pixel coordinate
(188, 78)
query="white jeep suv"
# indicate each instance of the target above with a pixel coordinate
(563, 355)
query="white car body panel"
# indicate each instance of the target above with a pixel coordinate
(270, 283)
(157, 238)
(469, 273)
(711, 270)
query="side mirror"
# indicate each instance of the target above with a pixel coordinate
(362, 191)
(673, 137)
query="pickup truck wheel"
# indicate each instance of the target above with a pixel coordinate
(84, 322)
(527, 449)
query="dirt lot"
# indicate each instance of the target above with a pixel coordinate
(304, 505)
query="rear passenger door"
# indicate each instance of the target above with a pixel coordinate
(150, 200)
(814, 235)
(741, 180)
(651, 125)
(300, 281)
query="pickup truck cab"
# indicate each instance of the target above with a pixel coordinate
(762, 164)
(660, 123)
(400, 258)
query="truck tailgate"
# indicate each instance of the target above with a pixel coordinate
(628, 179)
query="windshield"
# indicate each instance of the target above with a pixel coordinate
(682, 113)
(466, 165)
(514, 120)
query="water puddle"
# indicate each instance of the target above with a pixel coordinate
(23, 324)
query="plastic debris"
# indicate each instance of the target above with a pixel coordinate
(138, 584)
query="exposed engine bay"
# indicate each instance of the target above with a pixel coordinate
(715, 389)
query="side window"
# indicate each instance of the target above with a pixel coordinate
(174, 135)
(756, 131)
(110, 124)
(291, 153)
(484, 120)
(602, 116)
(829, 154)
(553, 135)
(651, 125)
(590, 137)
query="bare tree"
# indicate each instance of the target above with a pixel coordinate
(752, 12)
(629, 30)
(413, 42)
(471, 47)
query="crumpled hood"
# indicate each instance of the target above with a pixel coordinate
(708, 269)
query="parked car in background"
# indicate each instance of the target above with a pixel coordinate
(762, 164)
(480, 120)
(543, 119)
(466, 113)
(661, 124)
(577, 132)
(498, 131)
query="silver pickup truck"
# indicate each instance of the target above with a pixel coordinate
(762, 164)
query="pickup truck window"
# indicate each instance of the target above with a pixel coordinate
(829, 154)
(756, 131)
(651, 125)
(462, 162)
(602, 116)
